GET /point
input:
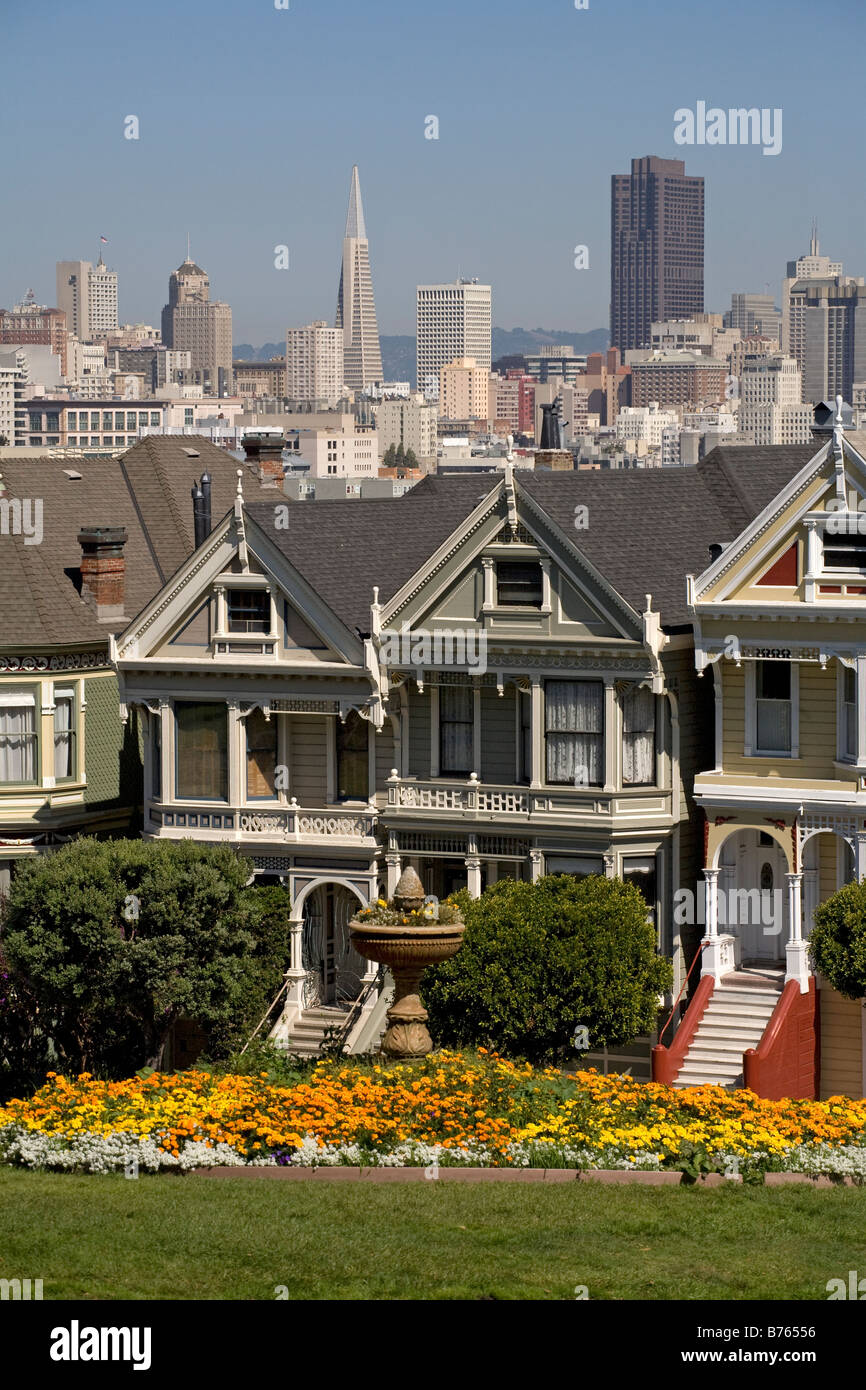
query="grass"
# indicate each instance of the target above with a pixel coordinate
(171, 1237)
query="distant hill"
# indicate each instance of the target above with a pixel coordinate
(398, 350)
(245, 352)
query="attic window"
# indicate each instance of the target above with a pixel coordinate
(192, 453)
(519, 583)
(845, 552)
(71, 473)
(249, 610)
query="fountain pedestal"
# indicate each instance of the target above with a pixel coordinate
(407, 948)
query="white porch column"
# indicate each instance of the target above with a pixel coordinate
(536, 865)
(813, 563)
(718, 957)
(473, 875)
(392, 864)
(796, 950)
(860, 856)
(295, 976)
(536, 722)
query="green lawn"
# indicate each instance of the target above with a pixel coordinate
(199, 1238)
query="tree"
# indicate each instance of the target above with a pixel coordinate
(411, 459)
(389, 458)
(838, 941)
(400, 456)
(115, 940)
(541, 960)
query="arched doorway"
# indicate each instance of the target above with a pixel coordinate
(828, 864)
(753, 896)
(334, 970)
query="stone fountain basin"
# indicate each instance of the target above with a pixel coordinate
(400, 945)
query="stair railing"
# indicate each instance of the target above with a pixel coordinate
(682, 988)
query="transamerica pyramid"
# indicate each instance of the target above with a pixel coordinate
(356, 310)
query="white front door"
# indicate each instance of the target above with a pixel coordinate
(754, 897)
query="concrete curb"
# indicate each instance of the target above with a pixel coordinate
(650, 1178)
(616, 1176)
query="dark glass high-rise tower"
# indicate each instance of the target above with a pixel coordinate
(656, 248)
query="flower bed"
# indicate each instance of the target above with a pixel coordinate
(450, 1108)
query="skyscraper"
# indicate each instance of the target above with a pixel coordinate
(657, 248)
(356, 310)
(813, 266)
(452, 321)
(87, 294)
(193, 322)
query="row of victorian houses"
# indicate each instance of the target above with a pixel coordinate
(658, 675)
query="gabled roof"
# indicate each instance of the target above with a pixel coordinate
(648, 528)
(344, 548)
(147, 490)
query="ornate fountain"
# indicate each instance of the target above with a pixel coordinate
(407, 935)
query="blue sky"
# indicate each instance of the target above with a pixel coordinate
(251, 118)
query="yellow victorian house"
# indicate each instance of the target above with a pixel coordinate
(780, 629)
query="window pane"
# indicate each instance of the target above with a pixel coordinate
(574, 712)
(261, 755)
(774, 680)
(774, 726)
(18, 745)
(202, 764)
(352, 758)
(249, 610)
(519, 582)
(638, 737)
(64, 735)
(156, 755)
(456, 728)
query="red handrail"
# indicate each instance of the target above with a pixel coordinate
(685, 982)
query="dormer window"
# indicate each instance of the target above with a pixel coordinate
(519, 583)
(249, 610)
(847, 552)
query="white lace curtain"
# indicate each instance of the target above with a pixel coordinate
(638, 737)
(63, 734)
(18, 744)
(456, 723)
(574, 712)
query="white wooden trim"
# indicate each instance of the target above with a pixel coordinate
(434, 730)
(612, 737)
(476, 729)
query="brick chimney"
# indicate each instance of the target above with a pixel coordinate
(266, 452)
(103, 569)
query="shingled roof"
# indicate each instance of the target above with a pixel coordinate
(147, 490)
(648, 528)
(344, 548)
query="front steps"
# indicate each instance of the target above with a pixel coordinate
(308, 1032)
(735, 1018)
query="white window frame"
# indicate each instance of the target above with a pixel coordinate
(750, 749)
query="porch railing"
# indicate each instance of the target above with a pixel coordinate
(296, 823)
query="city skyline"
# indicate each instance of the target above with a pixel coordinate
(435, 208)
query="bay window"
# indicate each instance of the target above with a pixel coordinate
(201, 737)
(64, 735)
(19, 745)
(456, 729)
(352, 758)
(261, 756)
(638, 737)
(849, 696)
(574, 732)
